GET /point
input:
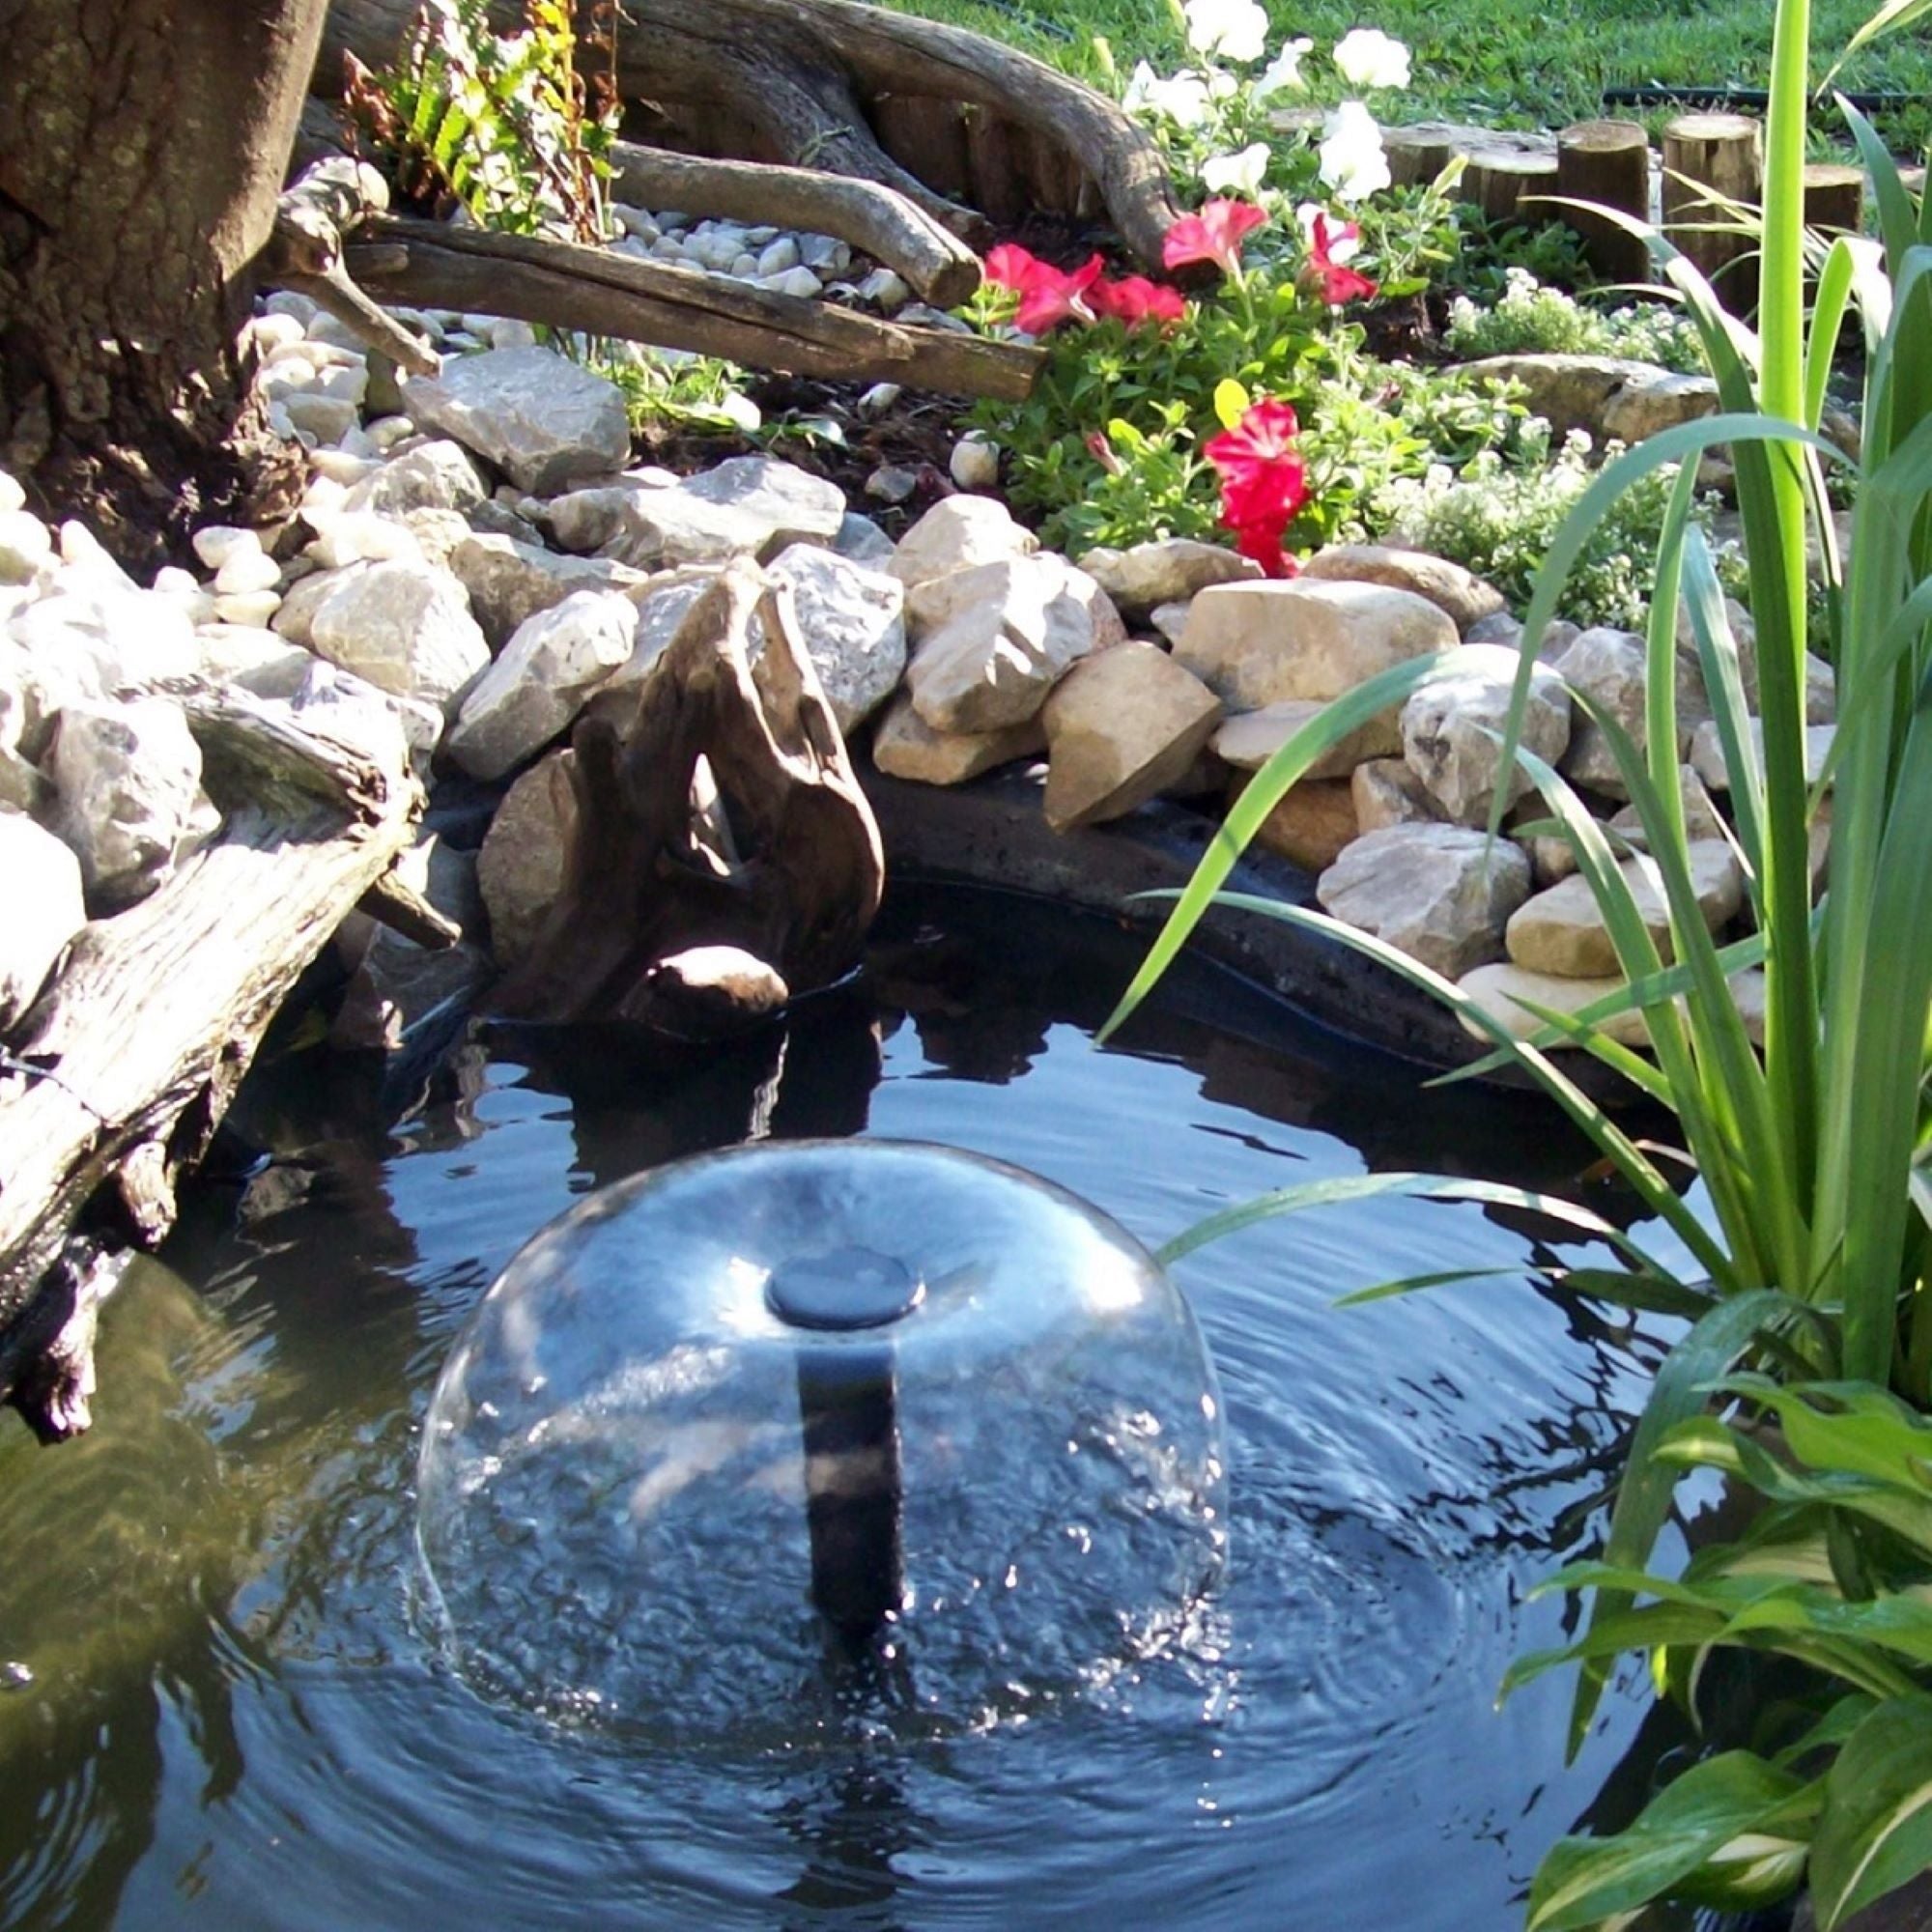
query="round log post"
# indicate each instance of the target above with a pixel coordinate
(1607, 163)
(1417, 155)
(1835, 198)
(1713, 167)
(1507, 188)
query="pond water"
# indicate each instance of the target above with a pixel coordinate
(221, 1708)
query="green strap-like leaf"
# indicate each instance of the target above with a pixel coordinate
(1876, 1831)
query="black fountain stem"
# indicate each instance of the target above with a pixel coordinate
(848, 1403)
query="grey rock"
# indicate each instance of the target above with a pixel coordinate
(546, 673)
(1439, 892)
(526, 855)
(540, 418)
(404, 626)
(438, 475)
(1595, 392)
(958, 533)
(127, 781)
(905, 747)
(852, 623)
(1248, 740)
(44, 910)
(861, 540)
(1385, 792)
(1451, 725)
(509, 582)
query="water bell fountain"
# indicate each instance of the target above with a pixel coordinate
(751, 1430)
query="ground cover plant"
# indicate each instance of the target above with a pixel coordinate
(1800, 1255)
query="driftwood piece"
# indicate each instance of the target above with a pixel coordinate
(1606, 165)
(429, 264)
(138, 1045)
(875, 218)
(1713, 183)
(645, 889)
(807, 73)
(330, 201)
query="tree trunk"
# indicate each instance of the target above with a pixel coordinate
(142, 145)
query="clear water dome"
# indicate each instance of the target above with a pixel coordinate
(751, 1440)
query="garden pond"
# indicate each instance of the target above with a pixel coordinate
(222, 1706)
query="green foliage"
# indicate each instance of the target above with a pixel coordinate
(505, 124)
(1810, 1236)
(1500, 520)
(1530, 317)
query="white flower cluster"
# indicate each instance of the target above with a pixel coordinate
(1353, 162)
(1530, 317)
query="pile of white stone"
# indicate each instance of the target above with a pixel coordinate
(476, 565)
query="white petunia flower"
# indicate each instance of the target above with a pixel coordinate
(1343, 247)
(1367, 57)
(1283, 74)
(1236, 30)
(1353, 162)
(1237, 174)
(1184, 99)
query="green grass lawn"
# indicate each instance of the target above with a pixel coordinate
(1502, 62)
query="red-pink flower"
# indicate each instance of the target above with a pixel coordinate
(1214, 235)
(1337, 282)
(1102, 452)
(1264, 481)
(1048, 296)
(1133, 299)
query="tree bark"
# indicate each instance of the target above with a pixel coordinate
(142, 145)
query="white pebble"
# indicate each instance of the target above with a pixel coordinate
(219, 542)
(253, 608)
(341, 468)
(81, 550)
(270, 334)
(800, 282)
(975, 463)
(11, 496)
(285, 302)
(879, 398)
(507, 333)
(244, 571)
(357, 536)
(885, 290)
(778, 256)
(824, 253)
(171, 581)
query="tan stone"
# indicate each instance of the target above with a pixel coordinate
(992, 641)
(1452, 730)
(1498, 986)
(1387, 792)
(526, 855)
(1439, 893)
(1258, 644)
(1701, 817)
(1122, 726)
(959, 533)
(905, 747)
(1311, 824)
(1707, 751)
(1249, 740)
(1562, 932)
(1150, 575)
(1461, 594)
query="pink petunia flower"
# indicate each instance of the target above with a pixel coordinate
(1214, 235)
(1329, 246)
(1048, 296)
(1264, 481)
(1133, 298)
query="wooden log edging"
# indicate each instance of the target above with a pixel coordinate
(431, 264)
(123, 1071)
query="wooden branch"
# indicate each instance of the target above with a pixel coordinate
(137, 1047)
(805, 72)
(872, 217)
(393, 902)
(569, 286)
(1607, 163)
(331, 201)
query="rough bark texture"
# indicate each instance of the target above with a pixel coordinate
(142, 144)
(1607, 163)
(809, 82)
(791, 888)
(432, 265)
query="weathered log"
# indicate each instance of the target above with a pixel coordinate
(1606, 165)
(131, 1056)
(874, 219)
(1713, 183)
(330, 200)
(643, 890)
(429, 264)
(805, 72)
